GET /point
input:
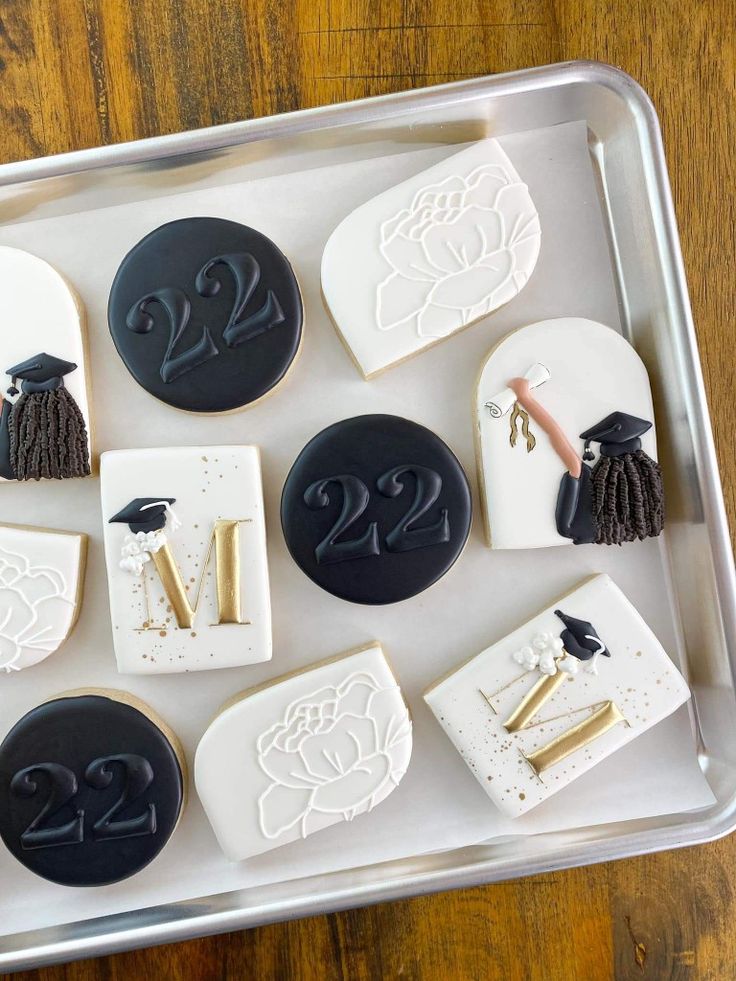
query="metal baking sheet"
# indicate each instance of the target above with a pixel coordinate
(654, 312)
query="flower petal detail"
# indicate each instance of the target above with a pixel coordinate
(485, 189)
(407, 256)
(472, 286)
(332, 754)
(439, 321)
(287, 768)
(399, 299)
(280, 808)
(354, 699)
(354, 789)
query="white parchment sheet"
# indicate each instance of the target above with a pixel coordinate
(438, 804)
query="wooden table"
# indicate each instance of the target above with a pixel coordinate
(78, 73)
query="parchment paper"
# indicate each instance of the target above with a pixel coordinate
(439, 804)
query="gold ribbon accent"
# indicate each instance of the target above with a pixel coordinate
(519, 412)
(581, 735)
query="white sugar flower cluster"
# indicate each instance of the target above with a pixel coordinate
(137, 550)
(547, 653)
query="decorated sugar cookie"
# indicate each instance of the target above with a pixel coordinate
(41, 582)
(546, 395)
(185, 544)
(44, 406)
(375, 509)
(430, 256)
(310, 750)
(545, 704)
(206, 314)
(92, 785)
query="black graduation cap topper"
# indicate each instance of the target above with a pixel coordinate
(618, 433)
(43, 372)
(581, 638)
(144, 513)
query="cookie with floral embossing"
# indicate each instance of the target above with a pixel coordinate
(304, 752)
(430, 256)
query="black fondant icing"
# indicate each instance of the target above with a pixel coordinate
(375, 509)
(581, 638)
(90, 790)
(206, 314)
(574, 510)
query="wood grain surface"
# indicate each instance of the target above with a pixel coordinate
(78, 73)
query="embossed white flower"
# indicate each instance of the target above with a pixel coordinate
(33, 609)
(334, 752)
(463, 248)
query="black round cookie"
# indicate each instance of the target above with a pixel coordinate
(375, 509)
(91, 790)
(206, 314)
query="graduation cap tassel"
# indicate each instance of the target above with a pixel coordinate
(627, 486)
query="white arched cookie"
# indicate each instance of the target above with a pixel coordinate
(303, 752)
(41, 582)
(429, 256)
(42, 356)
(542, 388)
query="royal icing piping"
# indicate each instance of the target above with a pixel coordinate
(441, 250)
(539, 708)
(39, 585)
(312, 750)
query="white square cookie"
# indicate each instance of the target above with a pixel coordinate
(549, 701)
(303, 752)
(185, 543)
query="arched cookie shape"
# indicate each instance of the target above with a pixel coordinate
(42, 355)
(303, 752)
(545, 394)
(430, 256)
(41, 583)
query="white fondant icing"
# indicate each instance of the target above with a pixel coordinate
(638, 677)
(39, 586)
(590, 371)
(208, 483)
(304, 753)
(41, 314)
(431, 255)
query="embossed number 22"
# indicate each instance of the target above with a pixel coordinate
(403, 537)
(62, 789)
(175, 304)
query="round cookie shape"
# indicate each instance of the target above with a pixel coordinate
(206, 314)
(376, 509)
(91, 789)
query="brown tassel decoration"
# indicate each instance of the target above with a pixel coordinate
(48, 436)
(628, 498)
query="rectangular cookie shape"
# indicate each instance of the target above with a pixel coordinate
(303, 752)
(185, 544)
(549, 701)
(429, 256)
